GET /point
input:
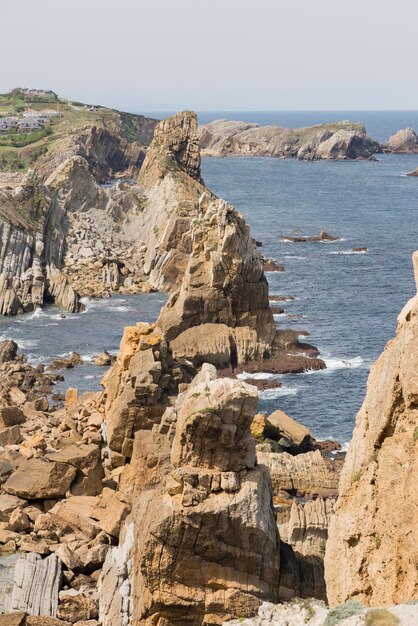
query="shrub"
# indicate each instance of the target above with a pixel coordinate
(380, 617)
(351, 607)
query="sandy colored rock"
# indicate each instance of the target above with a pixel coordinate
(306, 474)
(279, 424)
(213, 427)
(371, 552)
(39, 479)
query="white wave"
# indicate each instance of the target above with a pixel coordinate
(38, 312)
(348, 252)
(272, 394)
(293, 256)
(339, 364)
(24, 344)
(88, 376)
(256, 376)
(285, 299)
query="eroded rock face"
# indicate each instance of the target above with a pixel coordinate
(405, 141)
(371, 552)
(221, 313)
(136, 387)
(31, 241)
(205, 543)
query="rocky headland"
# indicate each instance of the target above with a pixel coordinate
(340, 141)
(167, 499)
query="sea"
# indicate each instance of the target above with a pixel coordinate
(347, 301)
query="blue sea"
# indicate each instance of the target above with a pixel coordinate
(348, 302)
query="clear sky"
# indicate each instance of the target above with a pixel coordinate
(215, 54)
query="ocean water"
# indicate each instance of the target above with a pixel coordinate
(348, 302)
(44, 335)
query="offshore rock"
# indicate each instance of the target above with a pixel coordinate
(343, 140)
(403, 142)
(371, 551)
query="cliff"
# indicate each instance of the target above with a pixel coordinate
(343, 140)
(371, 551)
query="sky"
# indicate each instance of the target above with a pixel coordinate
(241, 55)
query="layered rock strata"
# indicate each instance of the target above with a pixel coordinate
(206, 543)
(371, 553)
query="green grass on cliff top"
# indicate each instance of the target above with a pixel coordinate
(18, 151)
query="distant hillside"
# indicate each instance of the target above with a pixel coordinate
(36, 123)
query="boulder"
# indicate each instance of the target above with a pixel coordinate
(75, 606)
(104, 359)
(10, 436)
(279, 425)
(11, 416)
(110, 512)
(8, 351)
(38, 479)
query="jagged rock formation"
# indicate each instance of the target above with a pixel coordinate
(200, 248)
(343, 140)
(405, 141)
(221, 313)
(171, 179)
(371, 552)
(31, 246)
(210, 514)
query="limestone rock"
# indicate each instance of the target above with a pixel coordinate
(39, 479)
(37, 583)
(211, 515)
(221, 313)
(213, 427)
(75, 606)
(306, 474)
(371, 551)
(136, 386)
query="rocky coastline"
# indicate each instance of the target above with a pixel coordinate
(166, 498)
